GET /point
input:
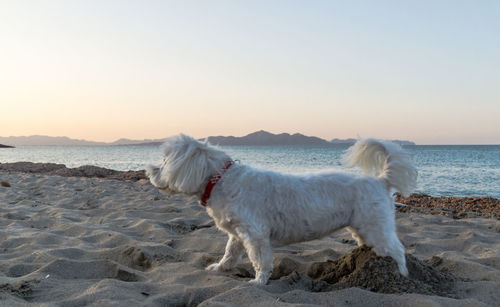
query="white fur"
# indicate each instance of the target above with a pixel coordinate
(260, 209)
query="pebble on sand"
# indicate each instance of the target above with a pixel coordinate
(5, 184)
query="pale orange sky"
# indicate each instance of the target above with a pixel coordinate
(103, 70)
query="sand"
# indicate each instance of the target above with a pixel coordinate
(75, 241)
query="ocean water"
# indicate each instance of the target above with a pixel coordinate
(443, 170)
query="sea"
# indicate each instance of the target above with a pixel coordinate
(444, 170)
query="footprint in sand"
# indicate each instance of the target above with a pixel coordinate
(19, 270)
(97, 269)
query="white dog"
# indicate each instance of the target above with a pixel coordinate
(259, 209)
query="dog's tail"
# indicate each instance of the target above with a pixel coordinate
(385, 160)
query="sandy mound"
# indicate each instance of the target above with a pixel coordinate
(363, 268)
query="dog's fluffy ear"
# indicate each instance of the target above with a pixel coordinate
(186, 164)
(192, 171)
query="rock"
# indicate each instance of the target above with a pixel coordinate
(5, 184)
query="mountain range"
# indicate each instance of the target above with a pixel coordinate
(264, 138)
(43, 140)
(258, 138)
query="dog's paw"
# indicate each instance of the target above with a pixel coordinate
(403, 270)
(258, 282)
(216, 267)
(261, 278)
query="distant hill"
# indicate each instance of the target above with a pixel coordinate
(352, 141)
(264, 138)
(6, 146)
(343, 141)
(42, 140)
(403, 142)
(136, 142)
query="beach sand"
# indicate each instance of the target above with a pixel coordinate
(75, 241)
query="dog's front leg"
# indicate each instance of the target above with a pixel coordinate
(260, 254)
(234, 251)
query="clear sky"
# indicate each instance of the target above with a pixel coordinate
(427, 71)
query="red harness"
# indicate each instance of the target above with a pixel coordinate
(212, 181)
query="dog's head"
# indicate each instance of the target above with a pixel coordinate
(187, 165)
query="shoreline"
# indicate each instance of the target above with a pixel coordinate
(88, 171)
(456, 207)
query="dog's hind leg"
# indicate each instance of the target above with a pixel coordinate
(391, 246)
(234, 251)
(356, 236)
(260, 254)
(380, 233)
